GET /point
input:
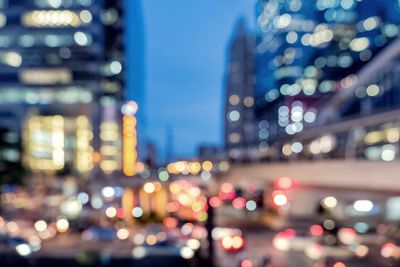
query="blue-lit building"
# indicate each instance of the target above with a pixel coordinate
(308, 52)
(62, 65)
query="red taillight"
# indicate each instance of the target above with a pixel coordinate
(316, 230)
(339, 264)
(239, 203)
(215, 202)
(389, 250)
(246, 263)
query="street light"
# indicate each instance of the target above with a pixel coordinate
(129, 138)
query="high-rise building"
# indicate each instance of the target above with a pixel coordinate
(307, 52)
(239, 101)
(62, 66)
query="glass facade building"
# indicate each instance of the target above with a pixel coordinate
(307, 53)
(62, 67)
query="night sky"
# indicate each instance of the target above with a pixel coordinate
(185, 48)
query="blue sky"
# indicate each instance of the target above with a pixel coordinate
(185, 53)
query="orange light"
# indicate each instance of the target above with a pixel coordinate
(339, 264)
(129, 142)
(170, 222)
(96, 156)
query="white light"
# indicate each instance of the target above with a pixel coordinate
(71, 208)
(193, 244)
(96, 203)
(130, 108)
(139, 252)
(12, 59)
(40, 226)
(359, 44)
(81, 38)
(297, 147)
(388, 153)
(123, 234)
(310, 116)
(108, 192)
(85, 16)
(281, 243)
(205, 175)
(83, 198)
(23, 249)
(283, 21)
(251, 205)
(54, 3)
(234, 115)
(137, 212)
(111, 212)
(116, 67)
(363, 205)
(314, 251)
(187, 253)
(329, 202)
(139, 239)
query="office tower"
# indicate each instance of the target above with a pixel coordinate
(239, 101)
(62, 66)
(307, 52)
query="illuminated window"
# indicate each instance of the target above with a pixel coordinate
(45, 76)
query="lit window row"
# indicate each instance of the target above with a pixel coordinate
(56, 18)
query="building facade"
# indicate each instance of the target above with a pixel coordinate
(62, 65)
(308, 52)
(239, 101)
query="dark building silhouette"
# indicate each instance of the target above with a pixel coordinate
(239, 101)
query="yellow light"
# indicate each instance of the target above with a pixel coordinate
(50, 18)
(84, 135)
(194, 167)
(393, 135)
(129, 139)
(151, 240)
(180, 166)
(207, 165)
(374, 137)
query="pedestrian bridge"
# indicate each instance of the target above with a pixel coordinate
(340, 174)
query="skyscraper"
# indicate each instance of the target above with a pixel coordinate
(239, 101)
(62, 63)
(307, 51)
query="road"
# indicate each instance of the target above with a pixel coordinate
(256, 228)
